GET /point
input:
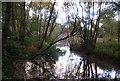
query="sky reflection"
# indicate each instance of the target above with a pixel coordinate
(70, 61)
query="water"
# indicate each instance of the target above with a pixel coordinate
(71, 65)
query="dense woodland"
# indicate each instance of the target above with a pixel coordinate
(30, 31)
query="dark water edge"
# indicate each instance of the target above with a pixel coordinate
(105, 61)
(102, 79)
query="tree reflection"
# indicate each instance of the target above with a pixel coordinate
(75, 68)
(85, 69)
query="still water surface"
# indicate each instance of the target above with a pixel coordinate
(72, 65)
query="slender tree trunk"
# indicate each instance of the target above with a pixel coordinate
(48, 24)
(118, 26)
(14, 19)
(23, 23)
(6, 21)
(40, 28)
(6, 25)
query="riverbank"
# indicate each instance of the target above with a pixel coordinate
(105, 54)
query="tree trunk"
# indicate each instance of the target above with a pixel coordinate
(47, 27)
(23, 23)
(118, 27)
(6, 21)
(6, 25)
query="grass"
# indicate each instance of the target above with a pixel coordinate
(108, 48)
(107, 53)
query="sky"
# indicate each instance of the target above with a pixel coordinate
(62, 13)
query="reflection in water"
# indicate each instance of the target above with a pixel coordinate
(69, 66)
(73, 66)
